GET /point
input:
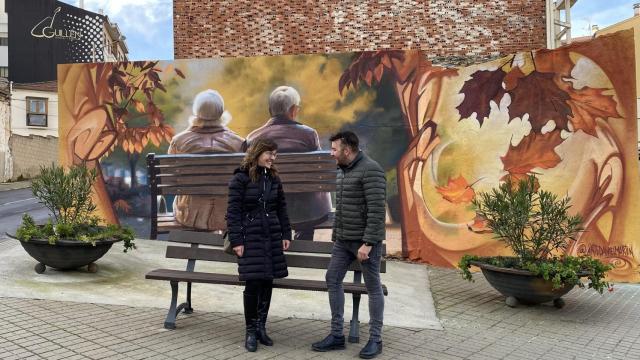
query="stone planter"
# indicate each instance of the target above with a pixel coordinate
(66, 254)
(521, 286)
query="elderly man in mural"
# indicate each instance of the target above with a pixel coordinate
(207, 133)
(358, 232)
(306, 210)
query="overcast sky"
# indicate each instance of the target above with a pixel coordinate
(147, 24)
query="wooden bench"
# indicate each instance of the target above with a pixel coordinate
(302, 254)
(209, 174)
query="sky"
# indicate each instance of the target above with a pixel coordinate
(147, 25)
(603, 13)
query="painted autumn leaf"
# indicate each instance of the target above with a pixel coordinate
(538, 95)
(478, 225)
(516, 178)
(534, 151)
(588, 104)
(484, 86)
(367, 66)
(457, 191)
(512, 77)
(122, 205)
(553, 61)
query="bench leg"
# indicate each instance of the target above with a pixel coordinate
(188, 309)
(170, 321)
(354, 330)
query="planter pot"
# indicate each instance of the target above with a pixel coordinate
(66, 254)
(521, 286)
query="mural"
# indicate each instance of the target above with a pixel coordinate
(567, 115)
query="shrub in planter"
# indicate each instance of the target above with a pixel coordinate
(536, 226)
(73, 236)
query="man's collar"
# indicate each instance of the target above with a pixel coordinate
(354, 162)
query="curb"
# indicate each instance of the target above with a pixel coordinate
(14, 185)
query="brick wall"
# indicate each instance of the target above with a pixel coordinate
(468, 28)
(31, 152)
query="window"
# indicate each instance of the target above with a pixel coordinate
(4, 41)
(4, 71)
(36, 112)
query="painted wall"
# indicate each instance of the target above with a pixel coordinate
(441, 134)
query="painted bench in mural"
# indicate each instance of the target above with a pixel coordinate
(205, 246)
(209, 174)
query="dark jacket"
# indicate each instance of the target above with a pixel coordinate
(291, 137)
(360, 202)
(258, 225)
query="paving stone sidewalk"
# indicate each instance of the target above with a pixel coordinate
(477, 326)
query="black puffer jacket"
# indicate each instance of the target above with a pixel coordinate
(258, 225)
(360, 202)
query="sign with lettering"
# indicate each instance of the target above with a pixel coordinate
(45, 33)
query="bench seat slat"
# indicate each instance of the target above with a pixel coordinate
(223, 179)
(293, 260)
(227, 279)
(223, 190)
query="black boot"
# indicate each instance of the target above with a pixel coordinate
(251, 320)
(263, 310)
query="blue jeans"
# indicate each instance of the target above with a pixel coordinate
(342, 255)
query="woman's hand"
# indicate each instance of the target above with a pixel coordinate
(239, 250)
(286, 244)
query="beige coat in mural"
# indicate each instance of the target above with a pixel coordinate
(202, 211)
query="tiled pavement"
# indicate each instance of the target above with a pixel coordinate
(477, 326)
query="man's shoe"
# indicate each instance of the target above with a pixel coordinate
(371, 350)
(329, 343)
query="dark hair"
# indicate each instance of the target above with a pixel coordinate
(348, 138)
(250, 161)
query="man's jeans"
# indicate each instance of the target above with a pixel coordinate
(342, 256)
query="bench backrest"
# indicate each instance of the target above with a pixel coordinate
(193, 174)
(301, 254)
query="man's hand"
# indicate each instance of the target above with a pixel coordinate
(239, 250)
(363, 252)
(286, 244)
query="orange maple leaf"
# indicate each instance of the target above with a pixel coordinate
(534, 151)
(122, 205)
(516, 178)
(457, 191)
(587, 104)
(478, 225)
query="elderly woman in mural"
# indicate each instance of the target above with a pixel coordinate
(207, 133)
(307, 209)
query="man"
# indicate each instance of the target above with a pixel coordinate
(358, 232)
(306, 210)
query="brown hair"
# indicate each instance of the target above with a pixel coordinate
(250, 161)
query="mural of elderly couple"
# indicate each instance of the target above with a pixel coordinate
(442, 134)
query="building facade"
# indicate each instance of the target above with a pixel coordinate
(36, 36)
(443, 28)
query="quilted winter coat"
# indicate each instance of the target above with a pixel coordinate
(257, 218)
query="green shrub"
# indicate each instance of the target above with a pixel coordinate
(536, 226)
(67, 195)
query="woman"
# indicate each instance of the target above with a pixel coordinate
(207, 134)
(259, 231)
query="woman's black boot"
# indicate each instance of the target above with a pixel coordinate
(263, 311)
(251, 321)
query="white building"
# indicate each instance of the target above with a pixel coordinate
(34, 109)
